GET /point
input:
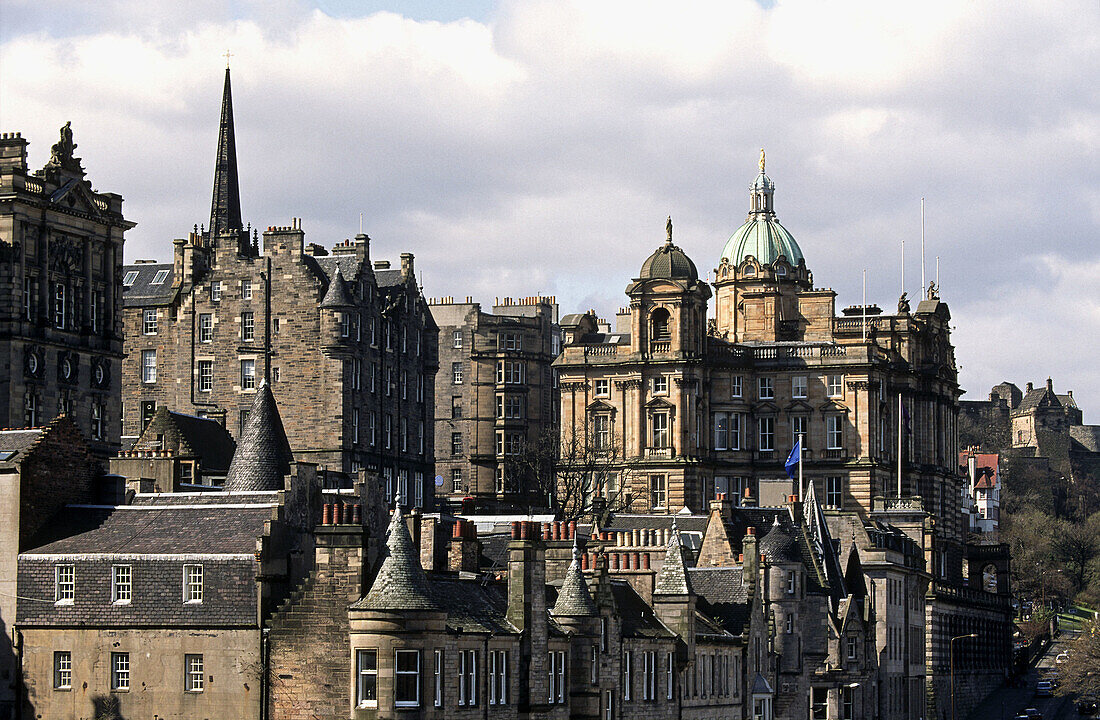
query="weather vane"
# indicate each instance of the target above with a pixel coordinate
(227, 56)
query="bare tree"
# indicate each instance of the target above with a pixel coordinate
(578, 476)
(1080, 673)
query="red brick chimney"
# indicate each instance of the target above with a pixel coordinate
(465, 548)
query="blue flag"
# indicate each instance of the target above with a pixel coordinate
(793, 459)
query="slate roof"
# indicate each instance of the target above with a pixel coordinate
(400, 583)
(1087, 436)
(636, 615)
(263, 456)
(152, 529)
(722, 596)
(347, 264)
(14, 443)
(208, 439)
(141, 292)
(259, 497)
(337, 295)
(780, 545)
(1037, 398)
(471, 605)
(574, 600)
(388, 278)
(673, 578)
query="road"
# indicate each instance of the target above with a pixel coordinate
(1006, 702)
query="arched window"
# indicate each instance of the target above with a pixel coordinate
(659, 321)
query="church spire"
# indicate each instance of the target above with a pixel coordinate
(225, 208)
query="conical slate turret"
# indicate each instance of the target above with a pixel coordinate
(337, 295)
(263, 454)
(574, 600)
(400, 583)
(673, 578)
(225, 208)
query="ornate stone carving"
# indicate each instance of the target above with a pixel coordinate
(61, 154)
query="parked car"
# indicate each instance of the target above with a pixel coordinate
(1062, 657)
(1044, 688)
(1087, 707)
(1030, 714)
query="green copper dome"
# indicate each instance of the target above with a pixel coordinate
(762, 236)
(668, 262)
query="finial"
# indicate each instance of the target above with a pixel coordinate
(674, 530)
(668, 229)
(227, 56)
(397, 497)
(576, 548)
(761, 159)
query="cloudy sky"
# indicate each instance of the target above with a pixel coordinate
(537, 147)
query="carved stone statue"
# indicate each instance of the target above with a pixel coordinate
(903, 303)
(61, 154)
(668, 229)
(933, 291)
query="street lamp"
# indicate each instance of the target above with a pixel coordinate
(951, 653)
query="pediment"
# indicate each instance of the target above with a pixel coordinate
(600, 406)
(800, 406)
(75, 194)
(659, 403)
(832, 406)
(765, 407)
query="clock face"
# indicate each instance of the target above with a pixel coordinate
(99, 374)
(32, 363)
(66, 368)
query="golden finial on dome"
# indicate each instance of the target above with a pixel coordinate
(668, 229)
(761, 159)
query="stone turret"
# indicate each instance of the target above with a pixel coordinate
(263, 456)
(673, 599)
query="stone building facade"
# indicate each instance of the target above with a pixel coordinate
(347, 344)
(697, 411)
(494, 394)
(60, 297)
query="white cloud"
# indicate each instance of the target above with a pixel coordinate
(541, 150)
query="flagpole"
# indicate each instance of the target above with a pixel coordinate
(865, 305)
(900, 421)
(922, 287)
(800, 451)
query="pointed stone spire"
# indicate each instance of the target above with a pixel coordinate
(401, 583)
(673, 578)
(574, 600)
(337, 295)
(263, 453)
(225, 208)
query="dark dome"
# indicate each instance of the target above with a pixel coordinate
(780, 545)
(668, 262)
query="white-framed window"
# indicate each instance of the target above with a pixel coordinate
(834, 492)
(602, 388)
(437, 686)
(833, 432)
(798, 430)
(608, 705)
(148, 366)
(248, 326)
(206, 327)
(366, 673)
(149, 321)
(456, 373)
(192, 583)
(65, 584)
(791, 582)
(669, 670)
(457, 339)
(762, 708)
(246, 289)
(561, 676)
(159, 278)
(737, 386)
(456, 443)
(215, 291)
(63, 670)
(721, 430)
(60, 295)
(355, 426)
(406, 678)
(130, 279)
(659, 435)
(836, 386)
(510, 407)
(206, 375)
(628, 671)
(498, 677)
(658, 491)
(192, 673)
(509, 341)
(120, 671)
(851, 647)
(766, 388)
(404, 434)
(601, 431)
(766, 427)
(345, 324)
(660, 385)
(248, 374)
(418, 489)
(467, 677)
(404, 385)
(649, 675)
(798, 386)
(456, 480)
(122, 584)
